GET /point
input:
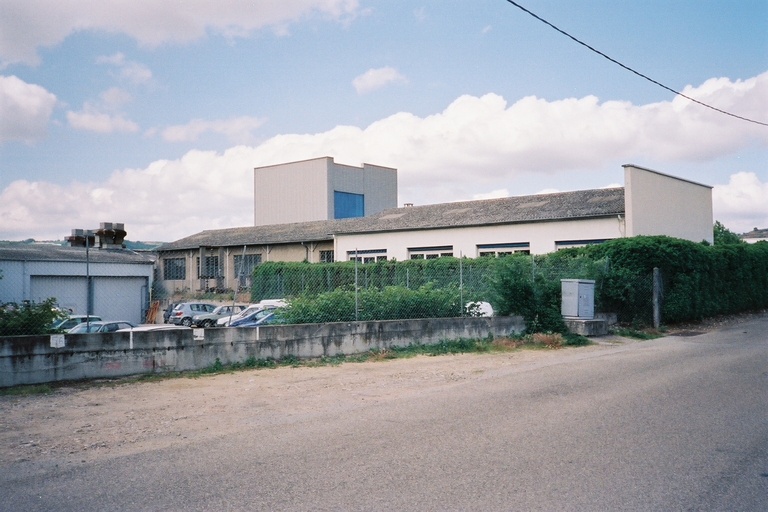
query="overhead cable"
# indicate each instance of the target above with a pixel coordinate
(632, 70)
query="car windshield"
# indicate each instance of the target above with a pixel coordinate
(84, 327)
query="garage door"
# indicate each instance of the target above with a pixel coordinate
(114, 298)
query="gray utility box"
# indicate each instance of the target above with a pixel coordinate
(578, 298)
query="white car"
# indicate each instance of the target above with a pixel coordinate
(264, 304)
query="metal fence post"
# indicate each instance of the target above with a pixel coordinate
(356, 286)
(656, 298)
(461, 284)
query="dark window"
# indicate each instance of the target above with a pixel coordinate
(244, 273)
(381, 258)
(211, 269)
(417, 256)
(347, 205)
(326, 256)
(174, 268)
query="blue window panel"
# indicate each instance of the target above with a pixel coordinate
(347, 205)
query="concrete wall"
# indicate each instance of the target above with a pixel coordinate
(659, 204)
(39, 359)
(542, 237)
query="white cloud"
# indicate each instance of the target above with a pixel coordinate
(92, 120)
(134, 72)
(486, 29)
(474, 145)
(493, 194)
(742, 203)
(116, 59)
(376, 78)
(24, 109)
(27, 25)
(236, 129)
(114, 97)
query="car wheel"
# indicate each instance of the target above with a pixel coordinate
(187, 322)
(208, 323)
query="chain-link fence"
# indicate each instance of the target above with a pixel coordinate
(326, 292)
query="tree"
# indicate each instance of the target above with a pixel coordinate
(724, 236)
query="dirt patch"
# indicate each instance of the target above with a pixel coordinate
(74, 424)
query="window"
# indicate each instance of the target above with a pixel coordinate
(430, 253)
(499, 250)
(243, 273)
(326, 256)
(174, 269)
(346, 205)
(211, 269)
(367, 255)
(562, 244)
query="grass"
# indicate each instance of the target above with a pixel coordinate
(30, 389)
(537, 341)
(646, 334)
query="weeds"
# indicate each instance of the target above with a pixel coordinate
(31, 389)
(648, 334)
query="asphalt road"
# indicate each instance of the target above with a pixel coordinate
(678, 423)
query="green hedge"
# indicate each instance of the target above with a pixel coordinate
(273, 280)
(388, 303)
(699, 280)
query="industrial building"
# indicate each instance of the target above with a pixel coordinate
(650, 203)
(93, 275)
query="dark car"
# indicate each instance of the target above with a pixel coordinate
(261, 317)
(167, 312)
(101, 327)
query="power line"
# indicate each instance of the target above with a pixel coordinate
(582, 43)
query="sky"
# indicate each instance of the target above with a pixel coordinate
(154, 113)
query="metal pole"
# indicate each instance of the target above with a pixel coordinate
(356, 305)
(89, 288)
(461, 284)
(656, 298)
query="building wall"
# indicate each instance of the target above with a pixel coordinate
(292, 192)
(279, 252)
(303, 191)
(120, 291)
(658, 204)
(542, 237)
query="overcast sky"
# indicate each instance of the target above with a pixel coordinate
(154, 112)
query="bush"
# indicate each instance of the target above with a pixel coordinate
(29, 318)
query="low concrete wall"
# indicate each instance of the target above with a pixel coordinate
(39, 359)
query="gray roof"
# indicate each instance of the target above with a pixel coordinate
(580, 204)
(48, 252)
(756, 233)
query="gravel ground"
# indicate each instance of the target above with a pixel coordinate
(105, 419)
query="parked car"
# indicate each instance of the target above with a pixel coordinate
(153, 327)
(167, 312)
(264, 304)
(73, 320)
(260, 317)
(209, 319)
(184, 311)
(101, 327)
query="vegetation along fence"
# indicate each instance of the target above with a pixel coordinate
(698, 280)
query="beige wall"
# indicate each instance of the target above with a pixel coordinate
(303, 191)
(280, 252)
(292, 192)
(542, 237)
(658, 204)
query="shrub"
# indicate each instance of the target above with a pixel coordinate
(29, 318)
